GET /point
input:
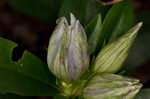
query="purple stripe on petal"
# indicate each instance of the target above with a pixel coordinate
(71, 63)
(95, 91)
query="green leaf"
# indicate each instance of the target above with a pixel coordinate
(94, 24)
(112, 56)
(84, 10)
(50, 10)
(44, 10)
(143, 94)
(117, 21)
(28, 76)
(125, 19)
(93, 29)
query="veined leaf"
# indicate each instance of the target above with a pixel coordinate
(28, 76)
(125, 21)
(93, 29)
(117, 21)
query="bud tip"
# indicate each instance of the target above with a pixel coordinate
(140, 24)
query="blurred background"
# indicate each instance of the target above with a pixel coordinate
(30, 23)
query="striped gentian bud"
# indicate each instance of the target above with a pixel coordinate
(111, 86)
(67, 51)
(113, 55)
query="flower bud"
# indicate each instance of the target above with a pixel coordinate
(111, 86)
(111, 57)
(67, 51)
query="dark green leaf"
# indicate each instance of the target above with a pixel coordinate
(143, 94)
(93, 29)
(117, 21)
(84, 10)
(49, 10)
(44, 10)
(28, 76)
(125, 21)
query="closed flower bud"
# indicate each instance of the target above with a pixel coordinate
(67, 51)
(111, 57)
(111, 86)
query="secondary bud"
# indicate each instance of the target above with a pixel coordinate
(67, 52)
(111, 57)
(111, 86)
